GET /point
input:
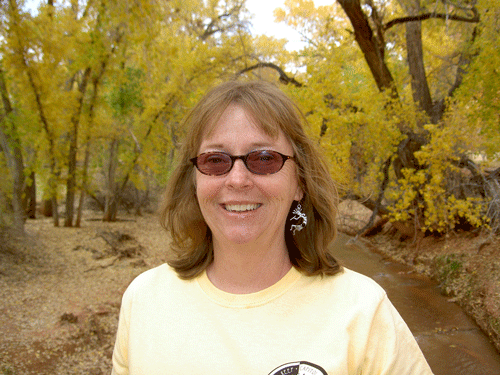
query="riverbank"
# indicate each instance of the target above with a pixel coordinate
(466, 266)
(442, 329)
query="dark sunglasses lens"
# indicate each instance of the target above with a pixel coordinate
(264, 162)
(214, 163)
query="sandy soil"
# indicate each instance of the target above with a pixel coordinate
(60, 292)
(60, 288)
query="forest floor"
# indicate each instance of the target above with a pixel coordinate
(60, 288)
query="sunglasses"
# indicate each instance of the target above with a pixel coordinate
(259, 162)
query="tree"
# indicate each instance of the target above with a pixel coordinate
(11, 147)
(430, 150)
(70, 68)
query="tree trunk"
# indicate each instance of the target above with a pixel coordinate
(30, 196)
(420, 88)
(110, 210)
(37, 93)
(46, 208)
(16, 168)
(372, 46)
(79, 211)
(55, 212)
(415, 56)
(95, 88)
(54, 169)
(71, 183)
(73, 149)
(85, 182)
(10, 142)
(111, 199)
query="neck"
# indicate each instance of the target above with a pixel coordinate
(242, 269)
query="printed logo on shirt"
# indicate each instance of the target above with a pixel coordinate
(298, 368)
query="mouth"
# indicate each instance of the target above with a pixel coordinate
(241, 207)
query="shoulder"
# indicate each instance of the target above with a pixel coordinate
(152, 281)
(351, 281)
(346, 288)
(161, 272)
(356, 281)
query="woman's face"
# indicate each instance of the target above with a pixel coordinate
(241, 207)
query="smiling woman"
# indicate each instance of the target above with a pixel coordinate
(265, 198)
(250, 285)
(238, 118)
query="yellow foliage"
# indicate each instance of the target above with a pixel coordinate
(441, 210)
(149, 64)
(360, 128)
(478, 99)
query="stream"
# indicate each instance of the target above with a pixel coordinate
(451, 342)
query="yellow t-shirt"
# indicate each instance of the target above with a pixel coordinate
(342, 324)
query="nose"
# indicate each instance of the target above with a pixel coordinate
(239, 177)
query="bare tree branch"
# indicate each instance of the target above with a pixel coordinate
(421, 17)
(284, 78)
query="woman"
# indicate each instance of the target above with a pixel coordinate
(250, 287)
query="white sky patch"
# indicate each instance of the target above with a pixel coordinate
(263, 21)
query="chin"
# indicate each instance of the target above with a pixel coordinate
(240, 237)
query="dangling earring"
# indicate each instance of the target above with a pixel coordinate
(301, 219)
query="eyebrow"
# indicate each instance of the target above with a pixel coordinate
(257, 145)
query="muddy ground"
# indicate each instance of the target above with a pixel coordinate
(60, 288)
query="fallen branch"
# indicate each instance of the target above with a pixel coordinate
(103, 266)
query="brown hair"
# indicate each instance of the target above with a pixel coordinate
(275, 112)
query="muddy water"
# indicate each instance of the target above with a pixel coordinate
(451, 342)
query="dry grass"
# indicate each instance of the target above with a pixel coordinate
(61, 290)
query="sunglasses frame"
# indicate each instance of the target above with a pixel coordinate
(241, 157)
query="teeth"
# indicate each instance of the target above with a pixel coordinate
(241, 207)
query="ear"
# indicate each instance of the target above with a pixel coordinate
(299, 194)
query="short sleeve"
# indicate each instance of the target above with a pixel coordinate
(391, 347)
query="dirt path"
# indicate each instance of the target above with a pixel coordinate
(60, 292)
